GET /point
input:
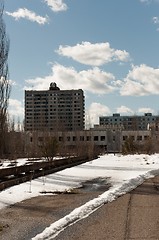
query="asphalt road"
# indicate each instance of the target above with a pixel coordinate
(134, 216)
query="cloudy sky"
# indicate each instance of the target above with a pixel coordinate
(110, 49)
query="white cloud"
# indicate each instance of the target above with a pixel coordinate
(149, 1)
(16, 108)
(141, 80)
(145, 1)
(94, 112)
(56, 5)
(27, 14)
(156, 21)
(125, 110)
(93, 54)
(145, 110)
(92, 80)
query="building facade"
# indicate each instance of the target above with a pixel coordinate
(59, 114)
(54, 109)
(134, 123)
(108, 140)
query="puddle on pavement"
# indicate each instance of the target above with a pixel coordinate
(96, 184)
(93, 185)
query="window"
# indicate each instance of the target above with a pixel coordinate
(68, 138)
(88, 138)
(102, 138)
(139, 138)
(60, 139)
(125, 137)
(146, 137)
(81, 138)
(74, 138)
(95, 138)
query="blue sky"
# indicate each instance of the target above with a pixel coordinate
(109, 48)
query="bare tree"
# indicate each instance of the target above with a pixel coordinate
(5, 86)
(49, 148)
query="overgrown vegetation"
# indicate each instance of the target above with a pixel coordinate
(129, 146)
(149, 146)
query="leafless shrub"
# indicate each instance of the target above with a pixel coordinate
(49, 148)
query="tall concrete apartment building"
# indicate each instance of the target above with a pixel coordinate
(129, 122)
(54, 109)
